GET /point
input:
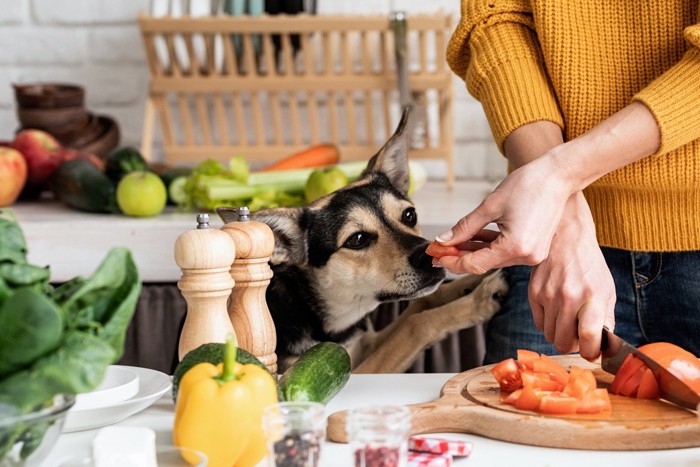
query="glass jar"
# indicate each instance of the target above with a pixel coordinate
(378, 435)
(295, 432)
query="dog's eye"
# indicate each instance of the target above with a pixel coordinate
(409, 217)
(358, 241)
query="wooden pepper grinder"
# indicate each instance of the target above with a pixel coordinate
(251, 273)
(205, 256)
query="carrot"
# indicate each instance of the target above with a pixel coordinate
(314, 156)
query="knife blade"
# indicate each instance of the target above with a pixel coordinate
(614, 350)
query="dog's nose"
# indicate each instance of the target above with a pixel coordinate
(419, 259)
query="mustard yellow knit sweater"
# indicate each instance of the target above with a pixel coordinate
(575, 63)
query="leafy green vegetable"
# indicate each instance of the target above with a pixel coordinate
(56, 340)
(22, 340)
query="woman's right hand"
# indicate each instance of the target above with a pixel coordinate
(527, 206)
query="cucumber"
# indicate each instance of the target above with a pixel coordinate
(81, 185)
(176, 190)
(122, 161)
(212, 352)
(318, 375)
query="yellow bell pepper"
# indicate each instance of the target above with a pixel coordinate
(219, 410)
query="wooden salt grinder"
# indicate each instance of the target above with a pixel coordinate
(205, 257)
(247, 308)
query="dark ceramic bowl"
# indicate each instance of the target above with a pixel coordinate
(49, 95)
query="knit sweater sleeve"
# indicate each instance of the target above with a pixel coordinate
(674, 97)
(496, 51)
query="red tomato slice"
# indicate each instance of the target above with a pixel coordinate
(528, 399)
(629, 367)
(507, 373)
(595, 401)
(648, 386)
(438, 250)
(540, 381)
(581, 382)
(546, 364)
(630, 387)
(526, 358)
(558, 403)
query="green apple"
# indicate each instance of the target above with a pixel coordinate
(141, 194)
(324, 181)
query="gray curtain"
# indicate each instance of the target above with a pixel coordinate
(152, 337)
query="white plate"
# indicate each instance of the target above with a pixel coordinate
(119, 384)
(152, 385)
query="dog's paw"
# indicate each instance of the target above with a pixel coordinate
(489, 295)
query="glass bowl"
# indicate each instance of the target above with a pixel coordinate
(27, 439)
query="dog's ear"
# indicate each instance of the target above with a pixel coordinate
(290, 238)
(392, 158)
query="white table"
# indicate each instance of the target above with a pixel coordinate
(406, 389)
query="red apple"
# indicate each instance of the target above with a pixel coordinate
(13, 175)
(43, 155)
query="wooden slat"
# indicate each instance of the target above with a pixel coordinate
(203, 117)
(154, 64)
(279, 83)
(195, 67)
(166, 121)
(230, 63)
(221, 120)
(301, 23)
(185, 118)
(239, 117)
(175, 65)
(314, 122)
(423, 47)
(332, 115)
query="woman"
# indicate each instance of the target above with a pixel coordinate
(596, 106)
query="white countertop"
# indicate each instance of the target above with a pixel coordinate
(73, 243)
(404, 389)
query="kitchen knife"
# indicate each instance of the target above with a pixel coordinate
(614, 350)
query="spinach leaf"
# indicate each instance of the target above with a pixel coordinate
(31, 324)
(78, 365)
(13, 248)
(107, 300)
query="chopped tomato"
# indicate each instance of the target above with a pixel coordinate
(580, 382)
(648, 386)
(528, 399)
(526, 358)
(558, 403)
(629, 367)
(507, 373)
(438, 250)
(546, 364)
(538, 382)
(541, 381)
(595, 401)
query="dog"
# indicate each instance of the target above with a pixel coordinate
(337, 259)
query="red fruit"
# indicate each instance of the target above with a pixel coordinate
(43, 155)
(13, 175)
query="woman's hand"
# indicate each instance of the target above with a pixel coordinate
(572, 293)
(526, 206)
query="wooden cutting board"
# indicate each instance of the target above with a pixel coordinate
(470, 403)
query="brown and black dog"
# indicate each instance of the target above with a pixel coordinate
(338, 258)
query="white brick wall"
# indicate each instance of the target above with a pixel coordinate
(96, 43)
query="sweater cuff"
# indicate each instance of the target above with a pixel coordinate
(514, 94)
(673, 100)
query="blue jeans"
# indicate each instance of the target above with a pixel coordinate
(658, 300)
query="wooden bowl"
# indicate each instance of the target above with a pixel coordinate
(49, 95)
(47, 119)
(78, 135)
(107, 139)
